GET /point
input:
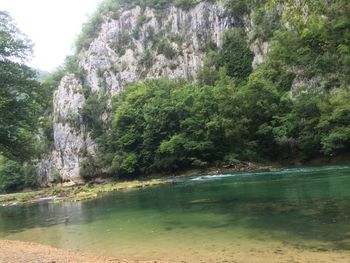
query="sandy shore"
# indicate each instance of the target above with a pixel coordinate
(25, 252)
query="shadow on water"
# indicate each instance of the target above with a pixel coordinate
(45, 214)
(294, 204)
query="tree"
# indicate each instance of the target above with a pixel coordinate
(11, 177)
(334, 124)
(236, 55)
(13, 43)
(20, 93)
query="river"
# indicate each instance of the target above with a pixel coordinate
(201, 219)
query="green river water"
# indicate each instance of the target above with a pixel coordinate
(199, 219)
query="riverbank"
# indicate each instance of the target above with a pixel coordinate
(25, 252)
(74, 193)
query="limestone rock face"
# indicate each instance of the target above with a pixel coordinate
(70, 138)
(114, 59)
(127, 50)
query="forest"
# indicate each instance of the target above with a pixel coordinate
(234, 112)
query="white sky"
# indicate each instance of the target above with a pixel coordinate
(52, 25)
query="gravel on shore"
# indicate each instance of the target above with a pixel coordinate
(25, 252)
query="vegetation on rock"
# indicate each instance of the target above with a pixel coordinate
(294, 106)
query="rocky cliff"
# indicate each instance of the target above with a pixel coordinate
(141, 43)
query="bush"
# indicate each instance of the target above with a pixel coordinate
(207, 75)
(89, 32)
(237, 8)
(92, 112)
(265, 23)
(124, 164)
(231, 159)
(334, 124)
(30, 176)
(89, 168)
(185, 4)
(336, 141)
(235, 55)
(146, 59)
(165, 48)
(11, 177)
(56, 176)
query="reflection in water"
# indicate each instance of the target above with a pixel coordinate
(44, 214)
(306, 208)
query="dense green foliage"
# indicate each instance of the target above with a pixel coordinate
(19, 92)
(167, 125)
(317, 49)
(164, 125)
(15, 176)
(295, 106)
(234, 55)
(22, 100)
(11, 178)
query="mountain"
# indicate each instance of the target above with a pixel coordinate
(126, 42)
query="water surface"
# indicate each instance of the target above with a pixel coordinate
(199, 218)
